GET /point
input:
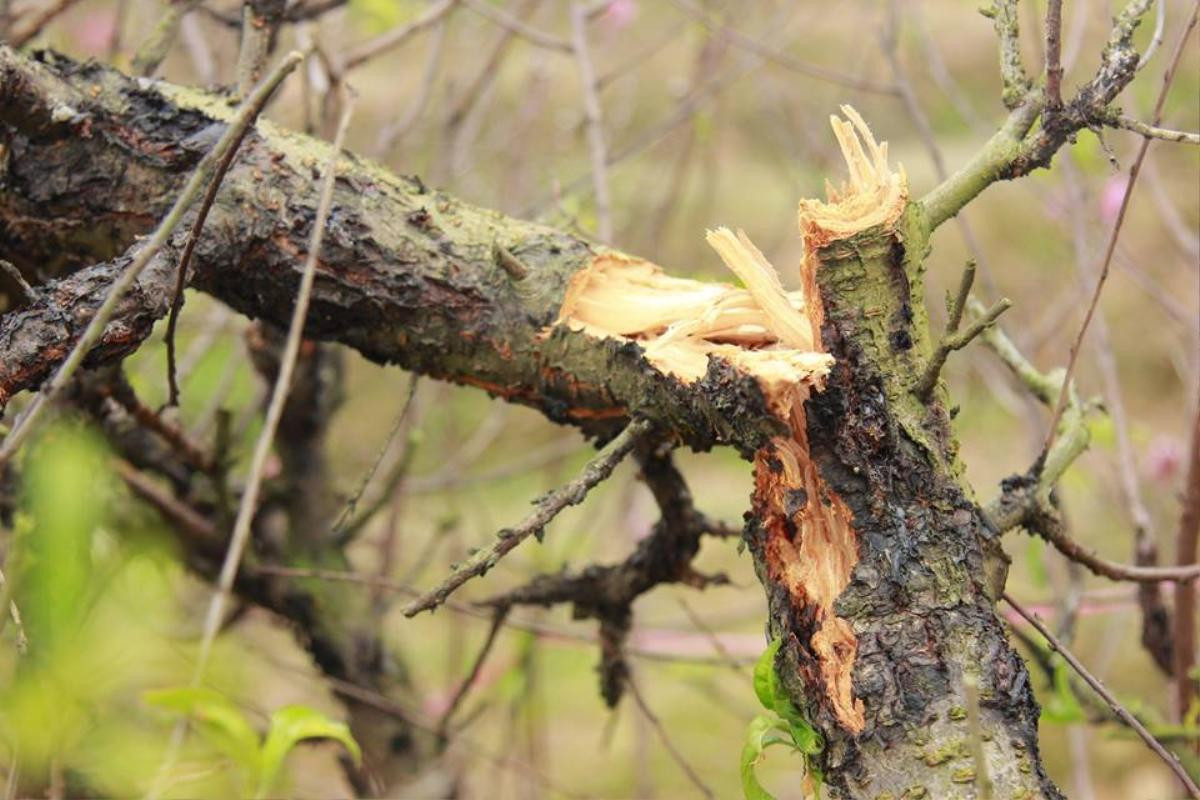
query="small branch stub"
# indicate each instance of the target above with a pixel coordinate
(953, 338)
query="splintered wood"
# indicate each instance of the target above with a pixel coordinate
(775, 336)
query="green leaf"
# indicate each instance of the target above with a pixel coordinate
(764, 675)
(217, 719)
(805, 737)
(291, 725)
(1062, 706)
(761, 734)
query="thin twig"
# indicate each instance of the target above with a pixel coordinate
(352, 503)
(1054, 69)
(443, 725)
(514, 25)
(185, 257)
(665, 738)
(260, 20)
(394, 38)
(154, 48)
(753, 45)
(1112, 701)
(595, 122)
(249, 502)
(573, 493)
(1134, 172)
(37, 22)
(99, 321)
(954, 339)
(1153, 132)
(1051, 529)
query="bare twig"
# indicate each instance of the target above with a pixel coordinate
(95, 329)
(547, 509)
(1054, 68)
(260, 22)
(443, 725)
(249, 501)
(37, 21)
(155, 48)
(1134, 171)
(753, 45)
(1112, 701)
(351, 505)
(522, 29)
(595, 122)
(1047, 525)
(189, 245)
(1153, 132)
(394, 38)
(954, 339)
(665, 738)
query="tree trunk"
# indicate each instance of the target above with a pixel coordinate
(873, 553)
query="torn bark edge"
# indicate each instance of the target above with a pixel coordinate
(773, 336)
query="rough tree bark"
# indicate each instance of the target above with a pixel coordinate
(412, 276)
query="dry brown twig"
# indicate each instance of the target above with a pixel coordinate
(548, 507)
(1134, 172)
(1120, 710)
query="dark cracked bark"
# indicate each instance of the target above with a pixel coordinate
(412, 276)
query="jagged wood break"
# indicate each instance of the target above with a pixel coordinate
(774, 336)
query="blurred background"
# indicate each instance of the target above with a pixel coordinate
(710, 113)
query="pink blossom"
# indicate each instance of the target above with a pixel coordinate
(1112, 196)
(94, 32)
(1163, 459)
(619, 14)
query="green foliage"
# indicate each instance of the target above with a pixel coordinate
(225, 726)
(377, 16)
(784, 725)
(1060, 705)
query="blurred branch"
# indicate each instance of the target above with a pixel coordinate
(1187, 542)
(525, 31)
(665, 737)
(357, 56)
(783, 59)
(1134, 172)
(595, 122)
(32, 23)
(443, 725)
(260, 24)
(154, 49)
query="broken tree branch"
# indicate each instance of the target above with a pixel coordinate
(99, 321)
